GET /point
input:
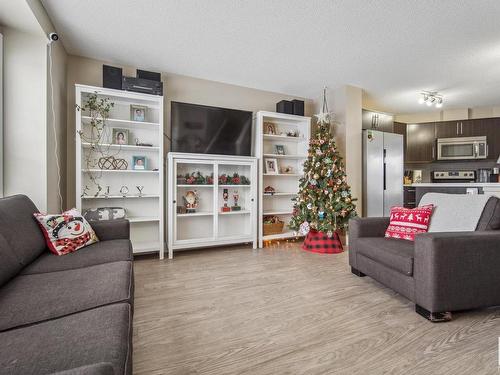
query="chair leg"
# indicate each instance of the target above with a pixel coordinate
(357, 272)
(434, 317)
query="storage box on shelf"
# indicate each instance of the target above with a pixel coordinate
(211, 200)
(281, 143)
(140, 145)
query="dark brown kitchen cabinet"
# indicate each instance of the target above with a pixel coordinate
(454, 129)
(420, 142)
(377, 121)
(467, 128)
(447, 129)
(400, 128)
(489, 127)
(409, 197)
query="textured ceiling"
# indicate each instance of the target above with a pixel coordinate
(392, 49)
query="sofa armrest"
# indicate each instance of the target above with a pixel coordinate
(112, 229)
(457, 270)
(102, 368)
(364, 227)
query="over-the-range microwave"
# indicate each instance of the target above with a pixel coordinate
(463, 148)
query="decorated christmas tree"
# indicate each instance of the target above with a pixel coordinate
(324, 202)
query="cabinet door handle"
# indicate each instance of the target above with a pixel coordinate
(461, 128)
(433, 152)
(457, 128)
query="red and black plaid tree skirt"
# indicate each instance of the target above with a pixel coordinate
(319, 242)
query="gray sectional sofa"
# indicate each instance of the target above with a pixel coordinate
(69, 314)
(439, 272)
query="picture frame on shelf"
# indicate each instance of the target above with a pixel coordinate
(271, 165)
(270, 128)
(279, 149)
(120, 136)
(139, 162)
(138, 112)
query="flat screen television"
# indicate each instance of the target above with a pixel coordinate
(210, 130)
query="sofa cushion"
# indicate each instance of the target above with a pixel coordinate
(33, 298)
(407, 222)
(98, 253)
(393, 253)
(490, 217)
(455, 212)
(20, 229)
(67, 232)
(93, 336)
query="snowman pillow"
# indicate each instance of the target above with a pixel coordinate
(66, 232)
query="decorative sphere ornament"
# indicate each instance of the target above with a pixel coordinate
(304, 228)
(316, 176)
(309, 206)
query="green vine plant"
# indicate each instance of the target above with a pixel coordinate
(97, 136)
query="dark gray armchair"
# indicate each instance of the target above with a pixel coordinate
(439, 272)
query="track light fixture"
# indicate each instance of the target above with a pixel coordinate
(431, 98)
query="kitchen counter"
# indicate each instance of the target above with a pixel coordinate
(457, 184)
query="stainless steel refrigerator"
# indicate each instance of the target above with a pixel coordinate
(383, 169)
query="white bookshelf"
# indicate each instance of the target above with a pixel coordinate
(285, 184)
(144, 211)
(209, 225)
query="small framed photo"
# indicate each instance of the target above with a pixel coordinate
(279, 149)
(271, 166)
(120, 136)
(139, 162)
(138, 112)
(270, 128)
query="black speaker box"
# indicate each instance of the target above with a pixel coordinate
(285, 106)
(298, 107)
(111, 77)
(152, 76)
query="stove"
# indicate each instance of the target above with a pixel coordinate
(453, 176)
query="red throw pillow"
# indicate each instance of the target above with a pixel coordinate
(66, 232)
(407, 222)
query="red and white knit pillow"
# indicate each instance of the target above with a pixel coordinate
(407, 222)
(66, 232)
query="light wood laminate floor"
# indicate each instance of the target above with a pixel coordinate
(280, 310)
